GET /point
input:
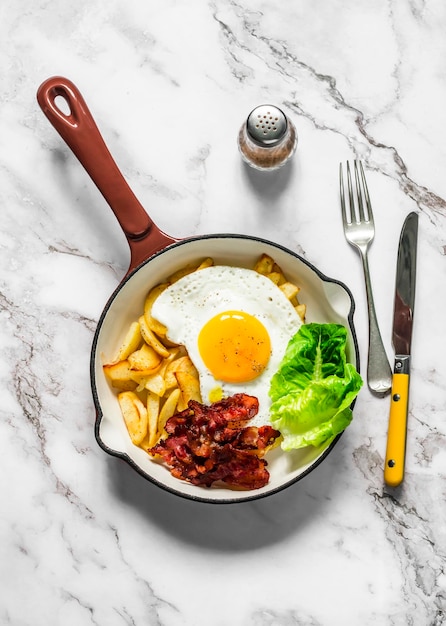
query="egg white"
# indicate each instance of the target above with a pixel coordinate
(186, 305)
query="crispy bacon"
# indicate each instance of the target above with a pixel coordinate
(205, 444)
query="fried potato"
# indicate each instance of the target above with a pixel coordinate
(151, 339)
(189, 385)
(169, 377)
(182, 372)
(184, 271)
(301, 310)
(152, 323)
(186, 375)
(182, 405)
(132, 341)
(289, 290)
(119, 375)
(146, 358)
(275, 277)
(264, 265)
(168, 409)
(269, 268)
(140, 376)
(184, 364)
(277, 268)
(206, 263)
(154, 383)
(172, 364)
(173, 278)
(135, 415)
(153, 409)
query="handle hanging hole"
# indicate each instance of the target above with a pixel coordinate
(62, 104)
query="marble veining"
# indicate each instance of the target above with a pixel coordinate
(84, 540)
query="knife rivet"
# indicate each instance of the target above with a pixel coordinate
(396, 397)
(398, 365)
(391, 463)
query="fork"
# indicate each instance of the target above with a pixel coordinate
(359, 230)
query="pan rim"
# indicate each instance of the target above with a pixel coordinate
(97, 403)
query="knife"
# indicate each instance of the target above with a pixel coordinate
(401, 339)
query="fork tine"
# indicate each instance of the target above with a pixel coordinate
(365, 205)
(342, 194)
(366, 195)
(351, 198)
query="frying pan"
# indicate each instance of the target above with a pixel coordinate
(154, 255)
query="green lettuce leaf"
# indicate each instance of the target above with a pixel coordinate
(313, 389)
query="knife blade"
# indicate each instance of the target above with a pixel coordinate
(402, 341)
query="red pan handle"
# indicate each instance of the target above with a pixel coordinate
(79, 131)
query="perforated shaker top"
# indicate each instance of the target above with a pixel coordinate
(266, 125)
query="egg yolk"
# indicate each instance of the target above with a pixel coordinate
(234, 346)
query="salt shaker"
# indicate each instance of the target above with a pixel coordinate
(268, 139)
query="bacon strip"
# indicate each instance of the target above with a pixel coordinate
(205, 444)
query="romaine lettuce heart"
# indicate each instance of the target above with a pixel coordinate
(313, 389)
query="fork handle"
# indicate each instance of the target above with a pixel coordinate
(379, 373)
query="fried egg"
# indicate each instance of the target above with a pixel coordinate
(235, 325)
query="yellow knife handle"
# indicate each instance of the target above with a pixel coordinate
(396, 435)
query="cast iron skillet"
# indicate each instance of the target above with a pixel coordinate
(154, 256)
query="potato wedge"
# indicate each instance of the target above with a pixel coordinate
(132, 342)
(188, 380)
(135, 416)
(264, 264)
(206, 263)
(152, 323)
(185, 364)
(289, 290)
(153, 409)
(155, 383)
(119, 375)
(189, 385)
(151, 339)
(184, 271)
(146, 358)
(182, 405)
(181, 361)
(140, 375)
(277, 268)
(301, 310)
(172, 364)
(276, 277)
(168, 409)
(169, 377)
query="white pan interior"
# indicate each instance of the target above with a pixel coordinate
(326, 300)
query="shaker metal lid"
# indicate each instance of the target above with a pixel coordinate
(266, 125)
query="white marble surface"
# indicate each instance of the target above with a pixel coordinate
(84, 540)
